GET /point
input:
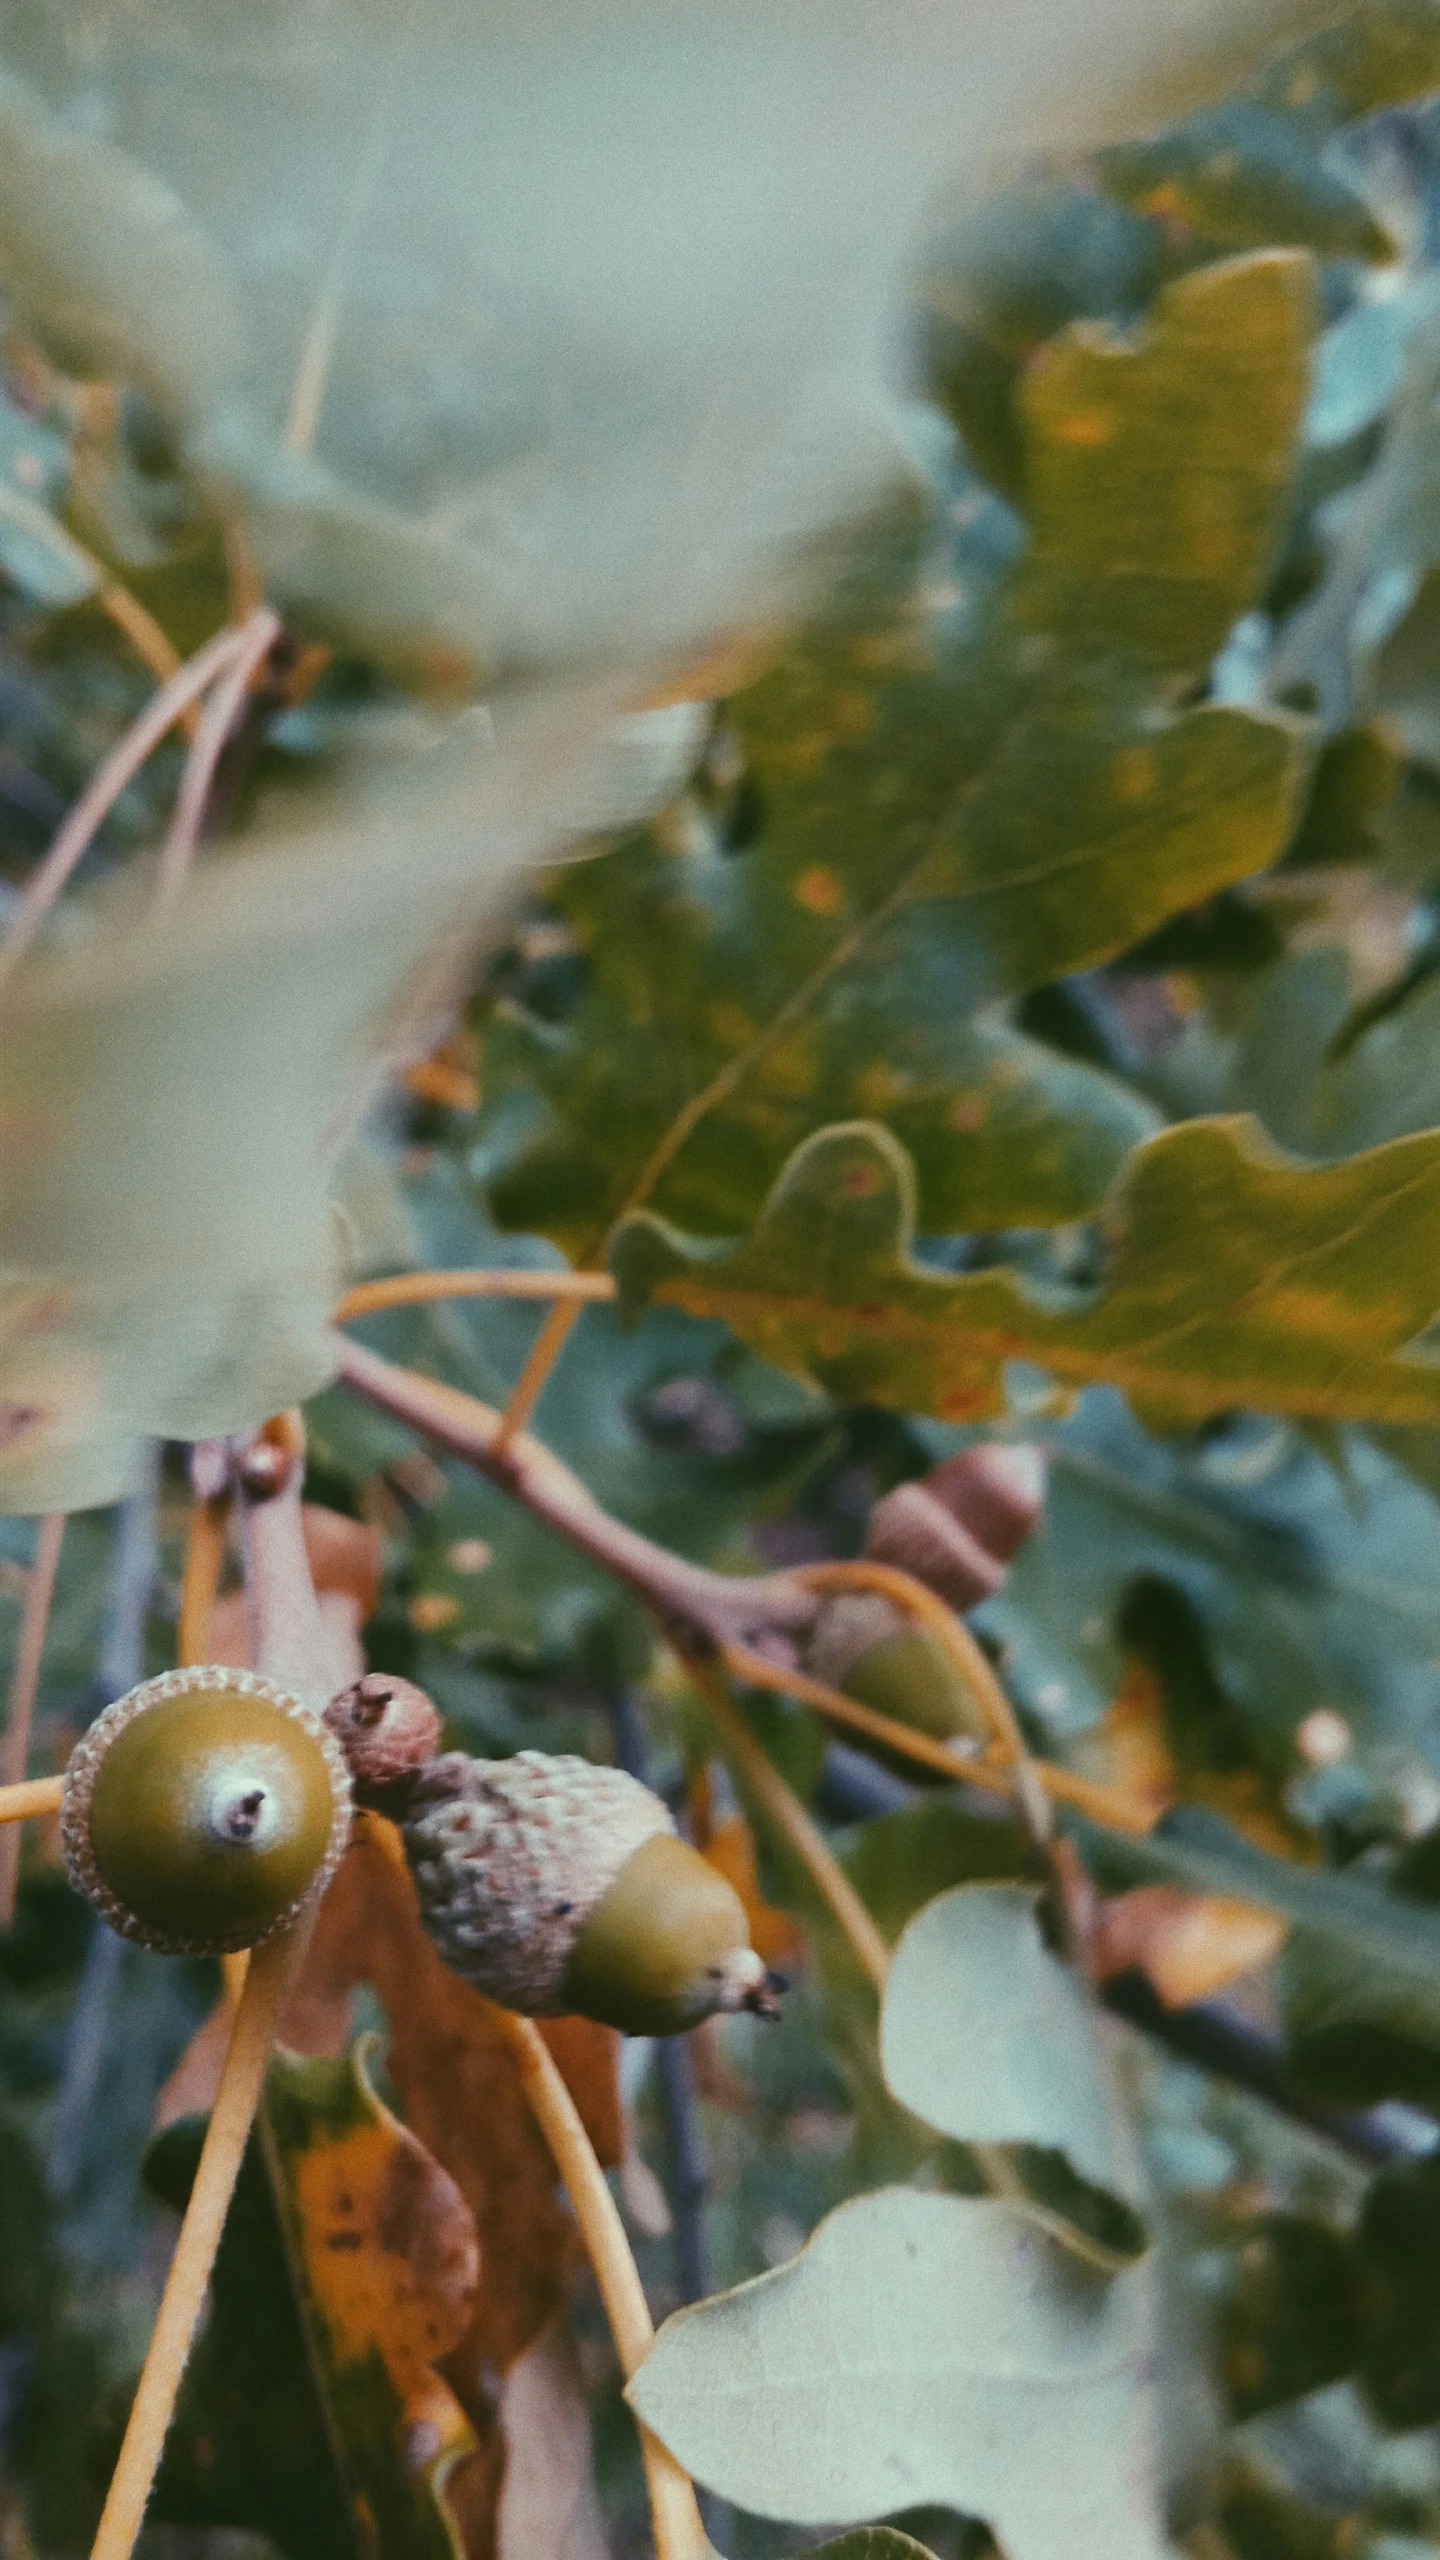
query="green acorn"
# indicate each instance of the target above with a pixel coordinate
(203, 1810)
(556, 1886)
(865, 1646)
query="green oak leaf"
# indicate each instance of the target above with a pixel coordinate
(991, 2038)
(1300, 1580)
(1257, 168)
(1159, 467)
(965, 786)
(344, 2267)
(1234, 1277)
(920, 2349)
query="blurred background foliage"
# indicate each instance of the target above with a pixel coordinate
(1102, 797)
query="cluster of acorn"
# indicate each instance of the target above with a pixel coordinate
(206, 1808)
(956, 1530)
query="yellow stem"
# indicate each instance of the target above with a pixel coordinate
(675, 2517)
(417, 1288)
(947, 1759)
(204, 1556)
(918, 1601)
(540, 1359)
(238, 2096)
(146, 639)
(790, 1818)
(35, 1619)
(126, 611)
(37, 1795)
(1104, 1804)
(989, 1769)
(970, 1661)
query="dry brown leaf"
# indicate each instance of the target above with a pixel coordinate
(452, 2063)
(548, 2508)
(1191, 1945)
(388, 2249)
(1129, 1749)
(729, 1843)
(190, 2089)
(344, 1555)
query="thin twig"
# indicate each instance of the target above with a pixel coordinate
(723, 1608)
(989, 1770)
(943, 1759)
(995, 2160)
(241, 2081)
(35, 1619)
(288, 1637)
(418, 1288)
(675, 2516)
(205, 1537)
(36, 1796)
(254, 643)
(540, 1359)
(970, 1660)
(783, 1808)
(115, 601)
(106, 784)
(718, 1605)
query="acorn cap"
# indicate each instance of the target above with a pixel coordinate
(203, 1810)
(510, 1857)
(555, 1885)
(913, 1530)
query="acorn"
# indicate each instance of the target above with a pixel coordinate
(387, 1729)
(866, 1647)
(557, 1887)
(958, 1528)
(203, 1810)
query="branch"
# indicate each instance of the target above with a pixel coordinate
(700, 1609)
(241, 2081)
(675, 2516)
(1218, 2040)
(712, 1606)
(95, 803)
(540, 1359)
(36, 1796)
(420, 1288)
(205, 1537)
(253, 645)
(289, 1640)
